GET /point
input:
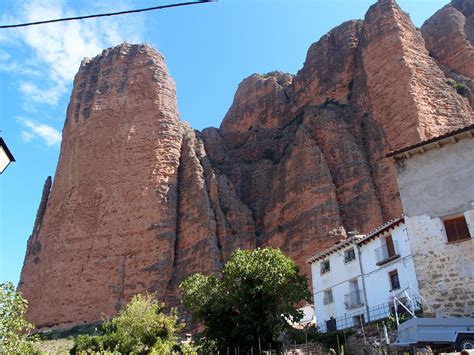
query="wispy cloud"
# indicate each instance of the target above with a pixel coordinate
(43, 95)
(48, 134)
(59, 48)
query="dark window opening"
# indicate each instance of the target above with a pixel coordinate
(325, 267)
(349, 255)
(394, 281)
(456, 229)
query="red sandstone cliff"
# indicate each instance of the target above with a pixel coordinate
(140, 200)
(449, 37)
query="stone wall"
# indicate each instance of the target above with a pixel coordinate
(445, 271)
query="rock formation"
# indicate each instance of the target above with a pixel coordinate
(140, 200)
(449, 37)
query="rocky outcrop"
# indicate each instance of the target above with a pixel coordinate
(449, 37)
(116, 179)
(408, 91)
(140, 200)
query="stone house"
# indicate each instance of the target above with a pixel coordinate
(436, 183)
(355, 280)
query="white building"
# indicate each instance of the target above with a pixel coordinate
(436, 183)
(354, 280)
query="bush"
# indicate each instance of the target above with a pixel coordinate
(462, 89)
(141, 327)
(258, 292)
(14, 328)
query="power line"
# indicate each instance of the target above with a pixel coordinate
(108, 14)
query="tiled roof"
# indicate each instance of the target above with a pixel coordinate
(338, 246)
(377, 232)
(358, 239)
(431, 140)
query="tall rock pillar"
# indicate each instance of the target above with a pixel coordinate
(109, 226)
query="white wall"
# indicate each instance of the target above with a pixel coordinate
(441, 174)
(377, 281)
(338, 280)
(308, 314)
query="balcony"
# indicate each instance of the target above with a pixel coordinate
(354, 299)
(387, 252)
(328, 299)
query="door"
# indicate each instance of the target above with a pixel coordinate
(390, 246)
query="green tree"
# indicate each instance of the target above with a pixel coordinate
(258, 291)
(14, 328)
(141, 327)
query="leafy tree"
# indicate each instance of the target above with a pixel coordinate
(14, 328)
(258, 291)
(141, 327)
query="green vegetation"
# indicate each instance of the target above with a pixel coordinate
(461, 89)
(141, 327)
(250, 304)
(14, 328)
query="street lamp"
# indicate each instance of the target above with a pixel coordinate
(5, 156)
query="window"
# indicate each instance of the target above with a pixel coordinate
(456, 229)
(394, 281)
(349, 255)
(328, 297)
(325, 267)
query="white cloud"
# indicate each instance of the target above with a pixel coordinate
(26, 136)
(58, 48)
(9, 65)
(48, 96)
(48, 134)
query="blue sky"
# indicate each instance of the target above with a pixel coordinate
(209, 49)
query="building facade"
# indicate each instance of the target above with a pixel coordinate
(355, 280)
(436, 183)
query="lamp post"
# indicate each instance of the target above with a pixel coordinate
(5, 156)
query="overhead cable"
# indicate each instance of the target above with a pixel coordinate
(107, 14)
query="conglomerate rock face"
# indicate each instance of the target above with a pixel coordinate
(140, 200)
(449, 37)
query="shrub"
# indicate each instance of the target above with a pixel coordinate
(462, 89)
(141, 327)
(14, 328)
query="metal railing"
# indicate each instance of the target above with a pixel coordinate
(378, 312)
(409, 299)
(325, 268)
(386, 252)
(354, 299)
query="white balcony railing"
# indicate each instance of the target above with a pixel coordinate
(354, 299)
(387, 252)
